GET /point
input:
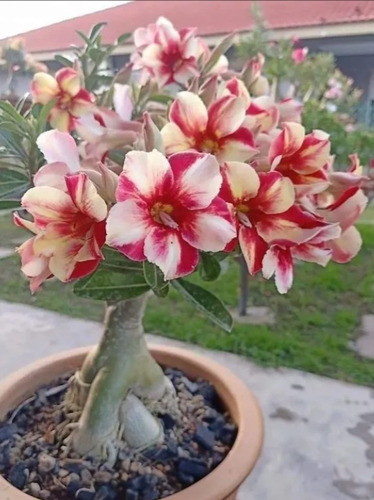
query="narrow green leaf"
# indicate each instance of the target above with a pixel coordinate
(43, 115)
(84, 37)
(218, 51)
(64, 61)
(205, 302)
(162, 98)
(155, 279)
(95, 32)
(111, 285)
(5, 204)
(123, 38)
(209, 267)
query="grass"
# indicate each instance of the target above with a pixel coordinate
(315, 320)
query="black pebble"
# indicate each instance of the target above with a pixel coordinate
(204, 437)
(131, 495)
(193, 467)
(105, 493)
(85, 495)
(168, 421)
(73, 467)
(17, 476)
(185, 479)
(190, 386)
(227, 434)
(150, 495)
(7, 431)
(73, 486)
(209, 393)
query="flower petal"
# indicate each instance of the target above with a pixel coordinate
(145, 175)
(279, 261)
(122, 101)
(175, 140)
(52, 175)
(59, 146)
(286, 143)
(253, 248)
(189, 113)
(43, 88)
(226, 115)
(211, 229)
(347, 246)
(348, 208)
(238, 146)
(85, 197)
(68, 81)
(276, 193)
(61, 119)
(174, 256)
(48, 204)
(240, 181)
(197, 178)
(127, 226)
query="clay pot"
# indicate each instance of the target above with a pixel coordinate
(223, 482)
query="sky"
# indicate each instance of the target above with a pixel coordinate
(20, 16)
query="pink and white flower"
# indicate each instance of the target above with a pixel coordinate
(166, 54)
(62, 156)
(219, 129)
(72, 101)
(266, 215)
(168, 210)
(299, 55)
(302, 158)
(69, 228)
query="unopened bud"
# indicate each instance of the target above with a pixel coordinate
(152, 135)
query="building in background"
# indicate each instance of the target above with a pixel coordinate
(343, 27)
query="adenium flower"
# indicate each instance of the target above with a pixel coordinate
(104, 129)
(265, 210)
(72, 101)
(290, 110)
(62, 156)
(219, 129)
(168, 210)
(69, 228)
(299, 55)
(166, 54)
(302, 158)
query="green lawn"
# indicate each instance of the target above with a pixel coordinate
(315, 321)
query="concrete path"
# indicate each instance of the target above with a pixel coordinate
(319, 432)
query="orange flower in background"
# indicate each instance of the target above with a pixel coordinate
(72, 101)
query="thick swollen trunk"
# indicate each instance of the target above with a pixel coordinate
(117, 387)
(243, 293)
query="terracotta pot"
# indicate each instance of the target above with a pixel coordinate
(223, 482)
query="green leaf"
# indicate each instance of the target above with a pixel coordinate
(84, 37)
(95, 32)
(123, 38)
(12, 184)
(205, 302)
(96, 54)
(218, 51)
(155, 279)
(162, 98)
(209, 267)
(111, 285)
(64, 61)
(116, 261)
(43, 115)
(5, 204)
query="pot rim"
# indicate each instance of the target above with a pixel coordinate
(238, 399)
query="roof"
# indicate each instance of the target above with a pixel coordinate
(211, 18)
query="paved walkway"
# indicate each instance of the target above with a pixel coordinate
(319, 432)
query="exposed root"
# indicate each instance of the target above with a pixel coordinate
(77, 394)
(168, 403)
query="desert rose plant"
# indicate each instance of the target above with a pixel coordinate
(129, 186)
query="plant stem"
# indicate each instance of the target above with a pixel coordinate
(119, 364)
(243, 294)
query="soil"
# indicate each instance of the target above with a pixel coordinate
(33, 462)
